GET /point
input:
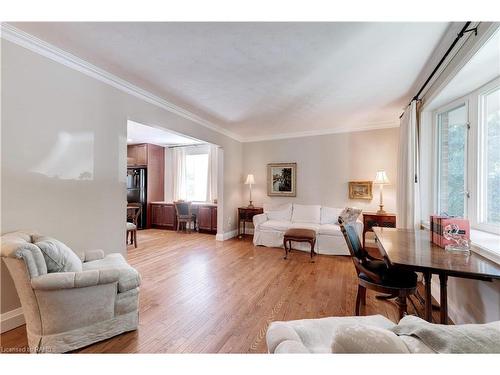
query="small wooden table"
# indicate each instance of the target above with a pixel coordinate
(245, 215)
(412, 249)
(372, 219)
(299, 235)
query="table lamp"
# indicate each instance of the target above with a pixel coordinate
(381, 180)
(250, 181)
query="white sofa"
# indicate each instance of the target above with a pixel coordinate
(270, 227)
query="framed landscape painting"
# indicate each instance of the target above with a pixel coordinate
(360, 190)
(282, 179)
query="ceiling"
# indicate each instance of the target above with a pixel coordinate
(262, 80)
(483, 67)
(139, 133)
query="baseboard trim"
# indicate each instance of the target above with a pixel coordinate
(11, 319)
(226, 235)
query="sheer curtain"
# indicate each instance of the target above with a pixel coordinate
(212, 173)
(179, 173)
(408, 191)
(183, 177)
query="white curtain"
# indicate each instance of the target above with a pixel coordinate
(179, 172)
(408, 192)
(212, 173)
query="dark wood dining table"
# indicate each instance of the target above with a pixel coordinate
(413, 250)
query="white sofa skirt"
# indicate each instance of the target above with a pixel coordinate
(325, 244)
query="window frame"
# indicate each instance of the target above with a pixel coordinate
(473, 162)
(437, 151)
(481, 187)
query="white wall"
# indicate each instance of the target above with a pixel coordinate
(64, 154)
(325, 165)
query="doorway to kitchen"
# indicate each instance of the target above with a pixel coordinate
(173, 181)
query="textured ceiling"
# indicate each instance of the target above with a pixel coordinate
(261, 80)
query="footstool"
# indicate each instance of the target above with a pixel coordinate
(299, 235)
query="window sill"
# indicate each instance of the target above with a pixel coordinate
(483, 243)
(486, 244)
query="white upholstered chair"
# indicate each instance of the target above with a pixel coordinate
(69, 310)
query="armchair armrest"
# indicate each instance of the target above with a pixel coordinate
(259, 219)
(69, 280)
(91, 255)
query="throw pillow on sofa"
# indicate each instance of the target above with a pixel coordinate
(282, 213)
(58, 256)
(357, 338)
(349, 215)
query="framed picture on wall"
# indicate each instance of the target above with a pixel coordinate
(360, 190)
(282, 179)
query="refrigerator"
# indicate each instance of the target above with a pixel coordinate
(136, 191)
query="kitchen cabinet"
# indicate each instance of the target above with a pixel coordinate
(207, 218)
(163, 216)
(137, 155)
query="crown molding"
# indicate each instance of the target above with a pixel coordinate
(313, 133)
(32, 43)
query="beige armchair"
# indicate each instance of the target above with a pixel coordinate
(69, 310)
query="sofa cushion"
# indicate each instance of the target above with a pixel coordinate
(357, 338)
(330, 215)
(129, 277)
(330, 230)
(278, 225)
(314, 227)
(306, 213)
(58, 257)
(283, 212)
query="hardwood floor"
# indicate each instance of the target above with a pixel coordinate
(203, 296)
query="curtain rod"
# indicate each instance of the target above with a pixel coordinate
(448, 51)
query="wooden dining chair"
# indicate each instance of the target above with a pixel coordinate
(376, 275)
(185, 217)
(133, 213)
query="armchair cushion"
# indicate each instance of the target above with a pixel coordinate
(390, 276)
(33, 258)
(131, 226)
(68, 280)
(91, 255)
(58, 256)
(128, 278)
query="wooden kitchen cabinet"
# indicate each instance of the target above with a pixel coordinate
(137, 155)
(163, 216)
(207, 218)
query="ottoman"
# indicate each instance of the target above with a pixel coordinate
(299, 235)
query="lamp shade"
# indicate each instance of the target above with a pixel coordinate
(250, 180)
(381, 178)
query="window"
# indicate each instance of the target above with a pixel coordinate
(489, 158)
(196, 177)
(452, 150)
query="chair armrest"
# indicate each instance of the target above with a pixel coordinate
(69, 280)
(91, 255)
(259, 219)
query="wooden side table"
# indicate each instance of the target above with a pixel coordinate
(372, 219)
(245, 215)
